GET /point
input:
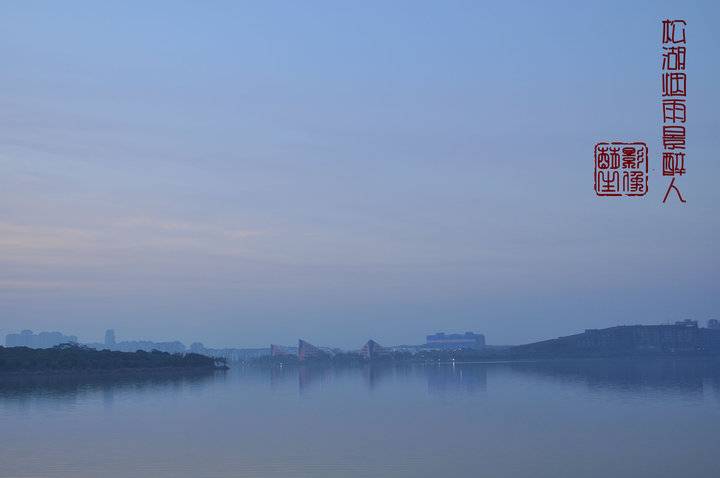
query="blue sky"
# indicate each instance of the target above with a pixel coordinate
(240, 173)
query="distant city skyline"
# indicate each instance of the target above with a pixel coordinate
(439, 340)
(241, 173)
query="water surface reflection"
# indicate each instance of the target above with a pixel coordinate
(581, 418)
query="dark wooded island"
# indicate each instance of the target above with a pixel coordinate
(78, 358)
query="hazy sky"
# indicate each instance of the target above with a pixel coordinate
(241, 173)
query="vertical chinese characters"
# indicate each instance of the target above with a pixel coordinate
(674, 110)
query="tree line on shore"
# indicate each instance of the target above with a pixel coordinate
(78, 358)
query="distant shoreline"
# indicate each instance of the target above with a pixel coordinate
(478, 356)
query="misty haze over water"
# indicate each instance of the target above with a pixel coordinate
(523, 419)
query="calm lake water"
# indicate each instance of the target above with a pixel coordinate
(591, 418)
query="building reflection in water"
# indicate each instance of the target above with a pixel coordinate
(108, 398)
(309, 375)
(312, 375)
(277, 375)
(470, 378)
(467, 377)
(374, 374)
(688, 376)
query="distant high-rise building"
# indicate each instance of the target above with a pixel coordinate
(26, 338)
(43, 340)
(468, 340)
(109, 338)
(687, 323)
(713, 324)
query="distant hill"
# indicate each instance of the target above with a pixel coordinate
(628, 340)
